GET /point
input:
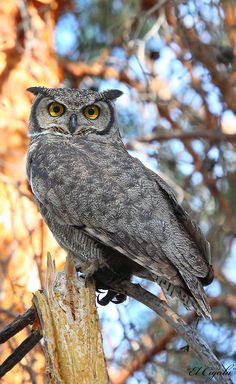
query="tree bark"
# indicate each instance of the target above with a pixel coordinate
(70, 327)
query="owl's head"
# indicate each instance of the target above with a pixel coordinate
(67, 111)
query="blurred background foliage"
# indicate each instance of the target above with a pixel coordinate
(175, 61)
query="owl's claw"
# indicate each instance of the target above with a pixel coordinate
(107, 298)
(110, 297)
(119, 298)
(100, 290)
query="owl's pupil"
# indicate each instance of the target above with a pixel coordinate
(91, 111)
(56, 109)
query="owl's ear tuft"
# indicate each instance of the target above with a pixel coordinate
(36, 90)
(112, 94)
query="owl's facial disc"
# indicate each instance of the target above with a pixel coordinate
(67, 117)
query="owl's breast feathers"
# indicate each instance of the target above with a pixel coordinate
(122, 204)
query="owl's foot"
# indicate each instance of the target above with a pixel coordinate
(104, 279)
(110, 297)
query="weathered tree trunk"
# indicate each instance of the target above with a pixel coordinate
(70, 327)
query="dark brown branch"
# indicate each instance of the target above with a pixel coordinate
(213, 136)
(194, 340)
(20, 352)
(17, 325)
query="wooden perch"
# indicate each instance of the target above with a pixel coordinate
(70, 327)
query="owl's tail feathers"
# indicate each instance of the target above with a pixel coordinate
(200, 306)
(198, 294)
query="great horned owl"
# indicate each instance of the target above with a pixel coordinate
(115, 216)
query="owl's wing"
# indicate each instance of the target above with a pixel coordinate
(165, 256)
(131, 243)
(157, 263)
(191, 227)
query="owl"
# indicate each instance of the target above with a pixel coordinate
(115, 216)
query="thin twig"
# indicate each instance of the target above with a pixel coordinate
(20, 352)
(17, 325)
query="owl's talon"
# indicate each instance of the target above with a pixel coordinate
(119, 298)
(82, 276)
(111, 297)
(107, 298)
(102, 301)
(100, 290)
(88, 279)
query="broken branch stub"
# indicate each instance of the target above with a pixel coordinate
(70, 327)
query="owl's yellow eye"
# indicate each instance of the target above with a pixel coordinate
(56, 109)
(91, 112)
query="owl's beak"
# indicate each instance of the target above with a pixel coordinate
(73, 123)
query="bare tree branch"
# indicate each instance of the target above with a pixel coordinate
(194, 340)
(161, 344)
(213, 136)
(20, 352)
(17, 325)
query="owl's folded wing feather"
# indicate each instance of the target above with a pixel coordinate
(159, 266)
(165, 256)
(153, 242)
(191, 227)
